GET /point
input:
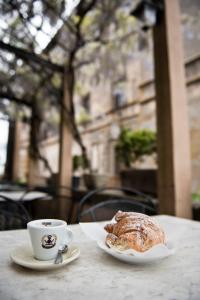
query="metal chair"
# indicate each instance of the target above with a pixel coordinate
(105, 210)
(55, 191)
(13, 214)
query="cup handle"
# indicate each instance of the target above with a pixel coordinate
(68, 237)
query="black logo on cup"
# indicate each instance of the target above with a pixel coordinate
(49, 241)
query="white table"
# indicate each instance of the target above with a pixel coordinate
(30, 196)
(96, 275)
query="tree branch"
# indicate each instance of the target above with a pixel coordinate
(12, 98)
(83, 63)
(30, 56)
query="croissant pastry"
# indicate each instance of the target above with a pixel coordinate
(134, 231)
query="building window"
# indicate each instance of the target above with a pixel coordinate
(86, 103)
(119, 99)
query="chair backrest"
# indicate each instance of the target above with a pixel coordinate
(106, 209)
(13, 214)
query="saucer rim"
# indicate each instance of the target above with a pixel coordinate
(43, 265)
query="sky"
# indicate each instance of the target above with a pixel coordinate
(42, 38)
(47, 32)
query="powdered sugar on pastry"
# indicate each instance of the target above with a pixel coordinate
(134, 231)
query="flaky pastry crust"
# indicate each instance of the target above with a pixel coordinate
(134, 231)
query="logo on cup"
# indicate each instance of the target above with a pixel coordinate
(49, 241)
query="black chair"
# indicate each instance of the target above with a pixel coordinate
(13, 214)
(106, 209)
(55, 191)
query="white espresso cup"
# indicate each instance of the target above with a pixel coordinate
(46, 237)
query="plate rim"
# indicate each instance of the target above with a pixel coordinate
(133, 259)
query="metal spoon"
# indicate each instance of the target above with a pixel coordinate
(59, 258)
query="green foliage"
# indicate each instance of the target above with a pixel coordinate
(83, 118)
(124, 147)
(80, 89)
(76, 162)
(56, 80)
(143, 142)
(195, 197)
(132, 145)
(79, 162)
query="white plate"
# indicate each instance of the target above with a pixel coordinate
(23, 256)
(96, 232)
(140, 258)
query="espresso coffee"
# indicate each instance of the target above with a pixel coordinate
(50, 224)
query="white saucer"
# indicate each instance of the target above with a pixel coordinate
(23, 256)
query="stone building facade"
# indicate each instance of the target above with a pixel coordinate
(138, 112)
(133, 107)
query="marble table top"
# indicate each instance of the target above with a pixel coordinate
(96, 275)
